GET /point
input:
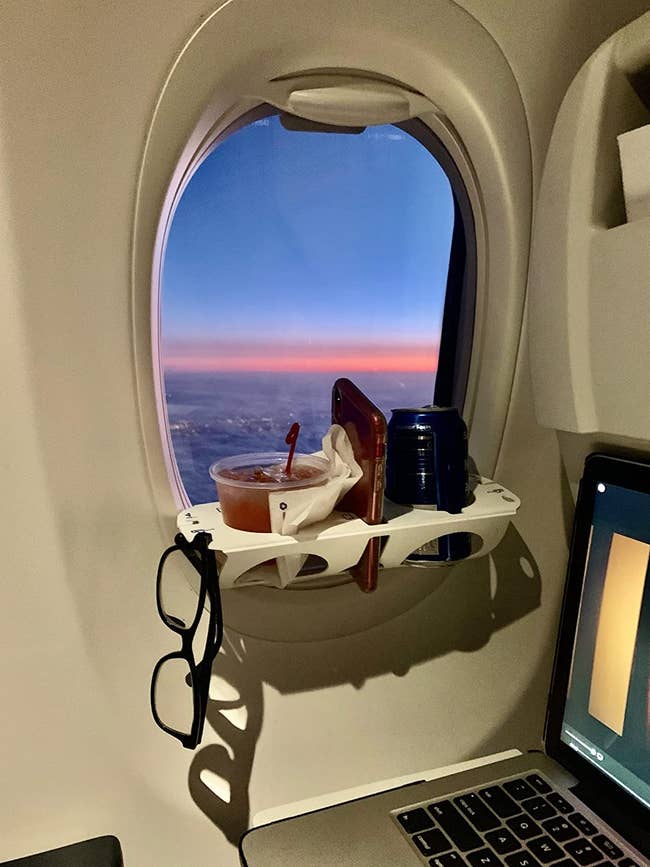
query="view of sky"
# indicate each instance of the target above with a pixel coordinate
(296, 251)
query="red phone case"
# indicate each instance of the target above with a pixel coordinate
(365, 425)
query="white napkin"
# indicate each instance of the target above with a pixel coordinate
(291, 510)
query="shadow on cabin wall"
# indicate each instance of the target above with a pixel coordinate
(475, 601)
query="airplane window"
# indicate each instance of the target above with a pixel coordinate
(295, 257)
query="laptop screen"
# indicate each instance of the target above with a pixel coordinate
(607, 713)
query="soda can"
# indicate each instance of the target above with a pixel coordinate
(426, 466)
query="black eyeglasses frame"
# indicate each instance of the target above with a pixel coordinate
(203, 559)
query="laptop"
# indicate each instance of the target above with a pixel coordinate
(584, 799)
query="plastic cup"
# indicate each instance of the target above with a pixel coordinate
(244, 483)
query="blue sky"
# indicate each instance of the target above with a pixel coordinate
(305, 248)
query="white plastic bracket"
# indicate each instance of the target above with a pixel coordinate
(261, 558)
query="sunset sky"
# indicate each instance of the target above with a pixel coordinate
(308, 251)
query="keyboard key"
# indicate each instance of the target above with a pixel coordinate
(583, 851)
(559, 829)
(607, 846)
(431, 842)
(415, 820)
(521, 859)
(524, 827)
(518, 789)
(451, 821)
(545, 849)
(484, 858)
(451, 859)
(560, 803)
(502, 841)
(538, 808)
(583, 824)
(473, 808)
(567, 862)
(538, 783)
(502, 804)
(603, 864)
(627, 862)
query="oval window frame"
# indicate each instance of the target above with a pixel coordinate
(205, 83)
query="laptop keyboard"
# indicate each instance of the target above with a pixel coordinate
(521, 822)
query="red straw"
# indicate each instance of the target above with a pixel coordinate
(291, 440)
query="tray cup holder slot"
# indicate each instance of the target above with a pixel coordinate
(475, 547)
(274, 569)
(400, 546)
(264, 573)
(279, 571)
(313, 565)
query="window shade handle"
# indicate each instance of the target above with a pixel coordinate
(351, 102)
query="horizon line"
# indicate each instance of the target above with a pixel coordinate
(432, 371)
(185, 365)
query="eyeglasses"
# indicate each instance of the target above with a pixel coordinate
(180, 684)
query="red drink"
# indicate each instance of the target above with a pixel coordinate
(244, 483)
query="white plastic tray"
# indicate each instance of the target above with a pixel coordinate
(269, 558)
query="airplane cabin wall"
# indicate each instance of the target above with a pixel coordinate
(79, 752)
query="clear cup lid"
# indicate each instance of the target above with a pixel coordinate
(266, 471)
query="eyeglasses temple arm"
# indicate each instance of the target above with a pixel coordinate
(198, 553)
(195, 550)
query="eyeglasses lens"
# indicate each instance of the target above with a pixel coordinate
(179, 601)
(173, 695)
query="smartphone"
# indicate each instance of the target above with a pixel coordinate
(365, 425)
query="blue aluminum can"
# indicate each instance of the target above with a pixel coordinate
(426, 466)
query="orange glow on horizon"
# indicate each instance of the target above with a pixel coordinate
(412, 361)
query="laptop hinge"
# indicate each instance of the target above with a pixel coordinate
(608, 812)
